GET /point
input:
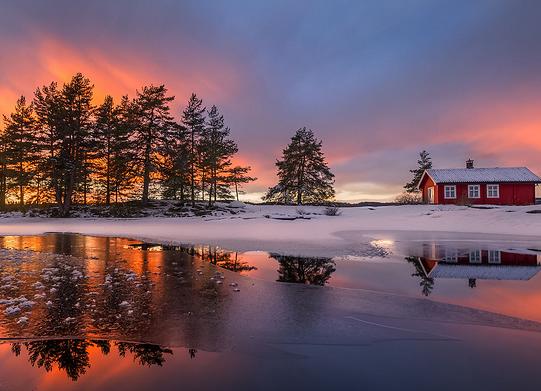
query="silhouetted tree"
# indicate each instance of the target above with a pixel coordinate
(303, 174)
(424, 163)
(49, 112)
(20, 147)
(238, 176)
(193, 118)
(114, 124)
(217, 149)
(154, 127)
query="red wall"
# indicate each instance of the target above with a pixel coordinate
(510, 194)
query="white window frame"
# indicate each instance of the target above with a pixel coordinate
(451, 255)
(452, 191)
(475, 256)
(490, 193)
(471, 187)
(495, 256)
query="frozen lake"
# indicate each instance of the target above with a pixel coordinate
(84, 312)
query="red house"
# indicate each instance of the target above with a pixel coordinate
(493, 186)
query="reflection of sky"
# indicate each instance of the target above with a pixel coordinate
(377, 80)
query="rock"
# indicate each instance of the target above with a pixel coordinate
(237, 204)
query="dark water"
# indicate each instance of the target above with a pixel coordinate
(82, 312)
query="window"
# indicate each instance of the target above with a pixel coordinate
(450, 191)
(494, 256)
(475, 256)
(493, 191)
(473, 191)
(451, 255)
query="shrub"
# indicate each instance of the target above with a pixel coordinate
(409, 199)
(332, 211)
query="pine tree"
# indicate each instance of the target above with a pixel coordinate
(193, 118)
(154, 127)
(77, 111)
(49, 122)
(217, 149)
(20, 146)
(3, 171)
(106, 123)
(238, 176)
(303, 174)
(175, 168)
(424, 163)
(123, 160)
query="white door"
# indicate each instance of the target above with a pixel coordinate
(430, 195)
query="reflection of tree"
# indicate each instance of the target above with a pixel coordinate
(426, 282)
(309, 270)
(144, 353)
(226, 259)
(72, 355)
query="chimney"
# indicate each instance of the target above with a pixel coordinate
(469, 163)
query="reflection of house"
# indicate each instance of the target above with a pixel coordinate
(481, 264)
(496, 186)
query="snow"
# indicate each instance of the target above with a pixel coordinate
(470, 175)
(307, 233)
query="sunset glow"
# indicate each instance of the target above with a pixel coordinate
(373, 105)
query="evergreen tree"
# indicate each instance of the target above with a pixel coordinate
(238, 176)
(77, 111)
(154, 127)
(193, 118)
(20, 146)
(3, 171)
(424, 163)
(123, 159)
(175, 170)
(115, 169)
(303, 174)
(49, 122)
(217, 149)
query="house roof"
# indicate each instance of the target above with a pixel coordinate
(482, 175)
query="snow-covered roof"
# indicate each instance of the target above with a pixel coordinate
(484, 272)
(483, 175)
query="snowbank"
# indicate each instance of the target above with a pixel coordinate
(285, 229)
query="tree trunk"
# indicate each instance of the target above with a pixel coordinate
(237, 190)
(21, 187)
(146, 175)
(70, 181)
(108, 176)
(193, 168)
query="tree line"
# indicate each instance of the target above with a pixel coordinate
(60, 148)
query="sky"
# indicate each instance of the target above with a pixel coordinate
(377, 81)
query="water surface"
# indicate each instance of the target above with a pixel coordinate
(83, 312)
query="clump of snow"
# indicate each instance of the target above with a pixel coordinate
(22, 320)
(12, 310)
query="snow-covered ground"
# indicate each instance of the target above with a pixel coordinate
(265, 227)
